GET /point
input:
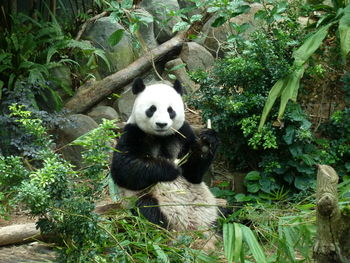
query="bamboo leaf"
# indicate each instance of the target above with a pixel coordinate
(274, 93)
(290, 90)
(238, 242)
(288, 86)
(344, 33)
(161, 256)
(228, 233)
(253, 244)
(303, 53)
(113, 189)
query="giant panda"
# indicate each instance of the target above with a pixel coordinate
(146, 165)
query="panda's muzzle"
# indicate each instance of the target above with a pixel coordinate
(161, 125)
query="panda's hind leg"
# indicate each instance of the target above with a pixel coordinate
(148, 206)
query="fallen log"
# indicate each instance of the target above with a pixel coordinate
(22, 233)
(333, 226)
(19, 234)
(93, 92)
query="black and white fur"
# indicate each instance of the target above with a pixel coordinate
(145, 164)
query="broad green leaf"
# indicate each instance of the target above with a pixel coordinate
(115, 37)
(127, 4)
(344, 32)
(219, 21)
(172, 76)
(213, 9)
(181, 26)
(253, 176)
(143, 18)
(253, 187)
(303, 53)
(195, 18)
(238, 242)
(290, 90)
(253, 244)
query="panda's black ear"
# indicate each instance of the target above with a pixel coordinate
(178, 87)
(138, 86)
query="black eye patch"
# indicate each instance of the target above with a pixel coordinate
(151, 110)
(171, 112)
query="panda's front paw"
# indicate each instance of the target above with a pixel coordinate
(209, 141)
(172, 174)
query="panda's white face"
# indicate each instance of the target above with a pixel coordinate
(158, 109)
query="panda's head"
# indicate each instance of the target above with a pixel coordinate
(158, 109)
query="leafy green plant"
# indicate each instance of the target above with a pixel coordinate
(277, 232)
(233, 95)
(30, 49)
(234, 235)
(336, 148)
(287, 87)
(224, 11)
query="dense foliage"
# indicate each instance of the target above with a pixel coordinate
(281, 156)
(32, 55)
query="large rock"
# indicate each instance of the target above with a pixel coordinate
(196, 56)
(120, 55)
(62, 81)
(77, 125)
(164, 23)
(180, 74)
(213, 36)
(146, 29)
(103, 112)
(191, 6)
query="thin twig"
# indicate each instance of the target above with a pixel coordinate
(87, 22)
(178, 132)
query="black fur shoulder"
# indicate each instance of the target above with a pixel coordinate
(187, 132)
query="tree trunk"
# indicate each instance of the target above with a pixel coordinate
(93, 92)
(333, 227)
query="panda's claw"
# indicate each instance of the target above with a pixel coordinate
(210, 139)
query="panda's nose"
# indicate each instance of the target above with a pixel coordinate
(161, 124)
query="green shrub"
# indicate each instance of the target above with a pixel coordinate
(233, 96)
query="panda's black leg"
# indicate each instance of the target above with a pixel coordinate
(148, 206)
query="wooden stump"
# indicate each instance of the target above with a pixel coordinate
(333, 227)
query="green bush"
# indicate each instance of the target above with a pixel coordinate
(233, 96)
